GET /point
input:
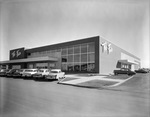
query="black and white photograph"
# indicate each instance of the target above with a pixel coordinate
(74, 58)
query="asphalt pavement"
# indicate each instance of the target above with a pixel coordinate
(29, 98)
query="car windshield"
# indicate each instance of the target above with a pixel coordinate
(124, 69)
(40, 70)
(54, 71)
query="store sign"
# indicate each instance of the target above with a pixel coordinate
(17, 54)
(106, 47)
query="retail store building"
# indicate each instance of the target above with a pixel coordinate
(89, 55)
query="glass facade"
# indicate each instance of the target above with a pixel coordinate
(75, 58)
(78, 58)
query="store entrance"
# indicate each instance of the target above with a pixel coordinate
(41, 65)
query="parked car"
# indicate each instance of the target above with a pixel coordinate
(11, 72)
(19, 73)
(55, 74)
(124, 71)
(147, 69)
(41, 73)
(29, 72)
(141, 71)
(3, 72)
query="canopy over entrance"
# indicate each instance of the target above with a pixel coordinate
(37, 59)
(127, 62)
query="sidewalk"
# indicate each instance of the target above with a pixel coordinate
(100, 80)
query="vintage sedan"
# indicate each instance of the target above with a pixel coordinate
(29, 72)
(124, 71)
(11, 72)
(19, 73)
(41, 73)
(3, 72)
(141, 71)
(55, 74)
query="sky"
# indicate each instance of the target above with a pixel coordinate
(35, 23)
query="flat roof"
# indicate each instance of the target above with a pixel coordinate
(64, 44)
(37, 59)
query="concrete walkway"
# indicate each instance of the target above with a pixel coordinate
(82, 79)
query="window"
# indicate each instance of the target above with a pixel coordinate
(64, 51)
(47, 71)
(84, 48)
(64, 67)
(64, 58)
(83, 57)
(41, 70)
(91, 67)
(84, 67)
(70, 67)
(76, 49)
(91, 57)
(91, 47)
(70, 58)
(77, 58)
(77, 67)
(70, 50)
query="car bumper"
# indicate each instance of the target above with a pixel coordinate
(37, 76)
(27, 75)
(17, 75)
(51, 77)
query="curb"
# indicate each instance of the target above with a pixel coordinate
(114, 85)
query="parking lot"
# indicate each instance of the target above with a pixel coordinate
(30, 98)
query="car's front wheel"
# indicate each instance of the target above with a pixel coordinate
(116, 73)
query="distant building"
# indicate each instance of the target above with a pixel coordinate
(90, 55)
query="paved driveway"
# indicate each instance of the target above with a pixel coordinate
(29, 98)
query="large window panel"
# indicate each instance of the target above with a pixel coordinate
(70, 67)
(91, 57)
(70, 50)
(83, 66)
(83, 57)
(84, 48)
(76, 49)
(91, 67)
(64, 58)
(77, 67)
(64, 67)
(70, 58)
(64, 52)
(91, 47)
(77, 58)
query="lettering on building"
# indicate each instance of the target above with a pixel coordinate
(16, 53)
(106, 47)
